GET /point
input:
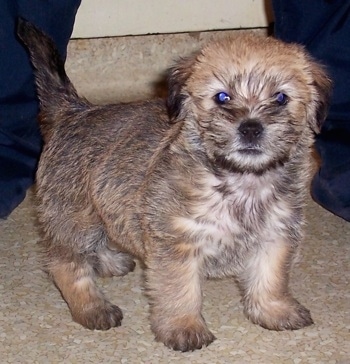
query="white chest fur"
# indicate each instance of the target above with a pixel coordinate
(232, 213)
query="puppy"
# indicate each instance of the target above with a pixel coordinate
(210, 185)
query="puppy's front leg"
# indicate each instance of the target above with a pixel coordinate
(174, 288)
(266, 296)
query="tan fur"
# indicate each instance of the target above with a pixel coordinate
(211, 190)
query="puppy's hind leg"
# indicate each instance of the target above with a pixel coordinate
(72, 265)
(87, 304)
(264, 283)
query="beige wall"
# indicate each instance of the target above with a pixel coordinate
(119, 17)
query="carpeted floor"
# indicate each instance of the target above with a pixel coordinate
(36, 327)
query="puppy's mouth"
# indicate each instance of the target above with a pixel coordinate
(250, 151)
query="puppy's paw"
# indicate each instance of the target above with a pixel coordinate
(188, 337)
(101, 317)
(281, 315)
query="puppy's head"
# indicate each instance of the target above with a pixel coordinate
(253, 100)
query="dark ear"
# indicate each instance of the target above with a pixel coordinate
(323, 90)
(177, 94)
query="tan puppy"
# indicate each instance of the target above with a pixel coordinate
(214, 190)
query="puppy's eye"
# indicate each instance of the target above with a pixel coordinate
(222, 98)
(281, 98)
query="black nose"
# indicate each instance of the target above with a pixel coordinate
(250, 130)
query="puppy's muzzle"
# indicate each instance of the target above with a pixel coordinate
(250, 132)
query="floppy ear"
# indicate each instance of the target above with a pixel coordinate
(323, 89)
(177, 94)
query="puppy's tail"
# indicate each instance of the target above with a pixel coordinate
(56, 92)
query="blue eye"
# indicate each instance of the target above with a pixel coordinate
(222, 98)
(281, 98)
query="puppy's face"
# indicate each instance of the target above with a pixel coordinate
(251, 99)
